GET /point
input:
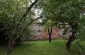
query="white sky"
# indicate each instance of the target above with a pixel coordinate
(37, 12)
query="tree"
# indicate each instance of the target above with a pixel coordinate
(64, 11)
(15, 16)
(49, 26)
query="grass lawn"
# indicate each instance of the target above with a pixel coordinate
(57, 47)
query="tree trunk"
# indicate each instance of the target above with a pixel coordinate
(50, 33)
(10, 46)
(11, 42)
(49, 37)
(70, 40)
(74, 27)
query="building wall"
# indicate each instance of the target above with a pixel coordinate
(42, 34)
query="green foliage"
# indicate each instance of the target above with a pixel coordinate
(48, 23)
(11, 12)
(81, 34)
(3, 34)
(78, 45)
(64, 11)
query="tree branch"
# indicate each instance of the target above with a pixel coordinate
(28, 25)
(28, 9)
(32, 22)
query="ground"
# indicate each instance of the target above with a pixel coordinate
(57, 47)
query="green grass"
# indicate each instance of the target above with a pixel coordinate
(57, 47)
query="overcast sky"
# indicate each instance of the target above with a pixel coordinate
(37, 12)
